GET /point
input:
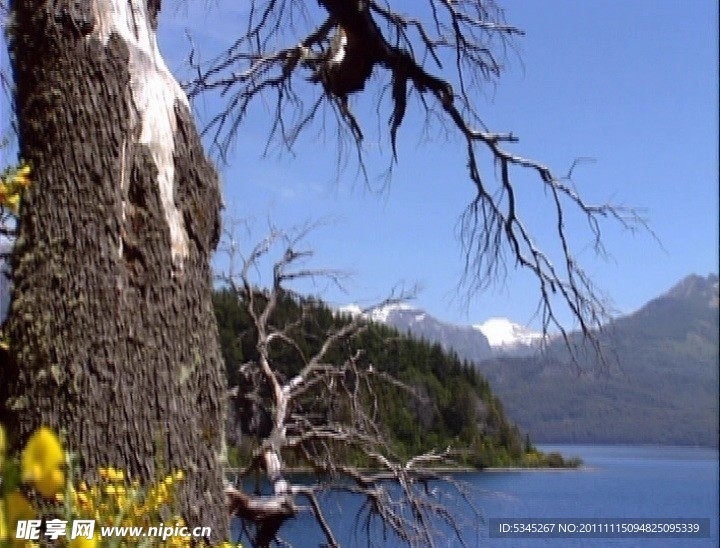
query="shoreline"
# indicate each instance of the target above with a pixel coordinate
(446, 470)
(581, 468)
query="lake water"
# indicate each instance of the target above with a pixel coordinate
(617, 482)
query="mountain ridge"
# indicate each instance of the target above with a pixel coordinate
(496, 336)
(661, 384)
(471, 343)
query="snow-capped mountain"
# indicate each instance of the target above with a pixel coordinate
(381, 314)
(506, 336)
(351, 309)
(469, 343)
(497, 336)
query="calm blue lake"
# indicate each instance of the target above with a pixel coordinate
(617, 482)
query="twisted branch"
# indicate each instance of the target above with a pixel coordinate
(446, 56)
(322, 408)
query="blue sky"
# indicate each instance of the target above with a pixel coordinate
(631, 84)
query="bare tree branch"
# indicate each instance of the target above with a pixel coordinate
(445, 54)
(325, 406)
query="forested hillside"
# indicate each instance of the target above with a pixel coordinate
(452, 404)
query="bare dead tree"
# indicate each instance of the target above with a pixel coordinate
(299, 58)
(326, 409)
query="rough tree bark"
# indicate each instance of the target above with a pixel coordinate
(111, 323)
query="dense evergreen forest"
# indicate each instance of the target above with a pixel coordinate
(449, 403)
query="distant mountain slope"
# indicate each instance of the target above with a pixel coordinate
(495, 337)
(466, 341)
(662, 386)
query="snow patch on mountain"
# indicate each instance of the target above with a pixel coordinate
(379, 314)
(351, 309)
(501, 332)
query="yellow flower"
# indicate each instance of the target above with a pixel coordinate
(22, 175)
(42, 461)
(3, 442)
(3, 526)
(18, 508)
(12, 202)
(84, 542)
(12, 185)
(116, 475)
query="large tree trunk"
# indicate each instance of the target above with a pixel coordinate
(111, 323)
